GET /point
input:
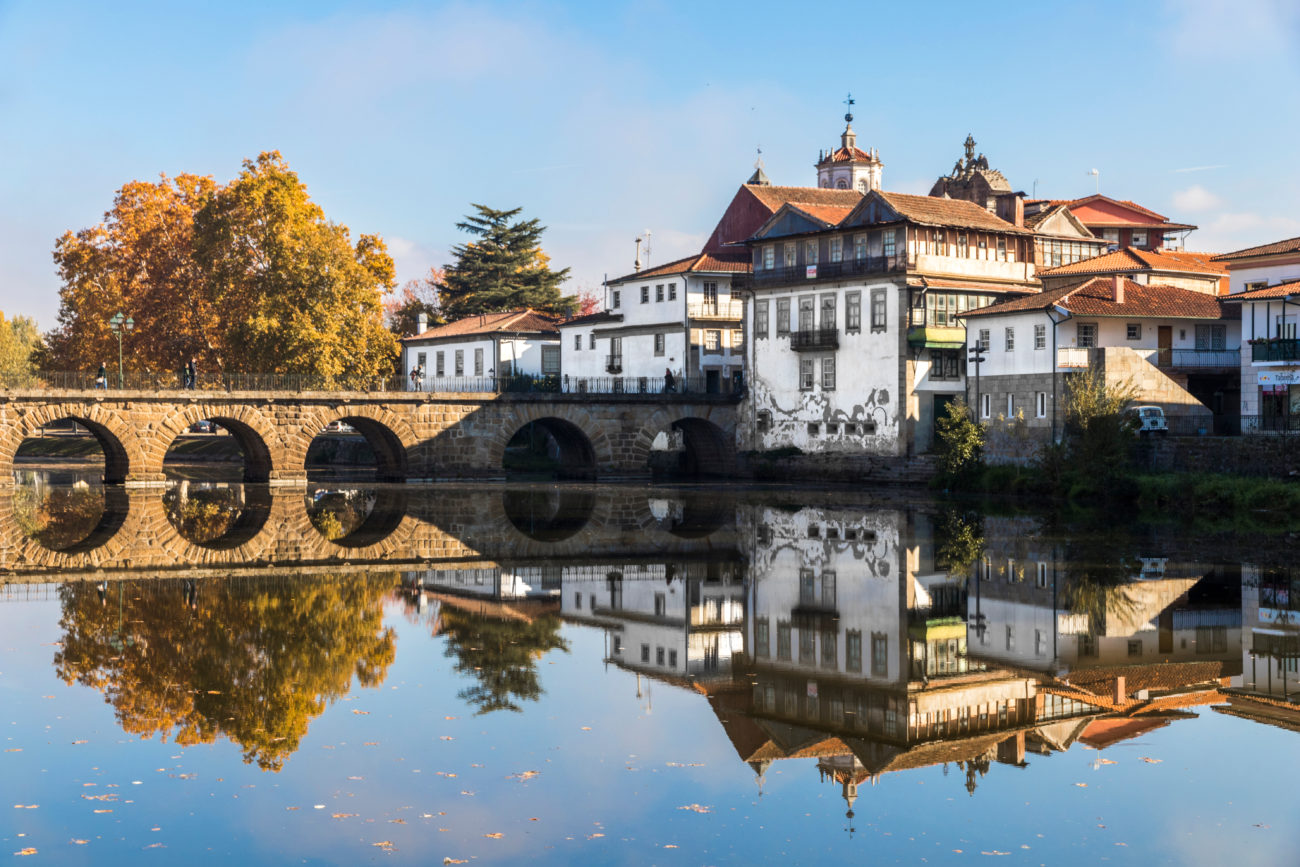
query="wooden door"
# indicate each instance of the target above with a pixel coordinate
(1165, 341)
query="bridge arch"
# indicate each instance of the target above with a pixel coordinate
(577, 455)
(113, 433)
(252, 431)
(688, 442)
(389, 436)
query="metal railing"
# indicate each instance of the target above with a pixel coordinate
(614, 363)
(731, 311)
(1198, 358)
(1276, 349)
(815, 339)
(1070, 357)
(828, 270)
(153, 382)
(1279, 423)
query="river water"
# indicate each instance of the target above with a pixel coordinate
(217, 673)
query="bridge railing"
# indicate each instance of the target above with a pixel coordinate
(296, 382)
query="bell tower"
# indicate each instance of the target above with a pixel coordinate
(849, 167)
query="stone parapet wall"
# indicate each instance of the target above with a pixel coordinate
(914, 471)
(1262, 456)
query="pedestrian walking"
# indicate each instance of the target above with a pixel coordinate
(670, 383)
(101, 378)
(191, 373)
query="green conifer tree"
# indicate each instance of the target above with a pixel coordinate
(504, 268)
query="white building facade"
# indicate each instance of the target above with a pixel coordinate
(475, 354)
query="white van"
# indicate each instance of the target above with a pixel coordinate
(1150, 420)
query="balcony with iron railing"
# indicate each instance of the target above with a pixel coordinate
(1275, 349)
(815, 339)
(614, 363)
(1196, 359)
(828, 270)
(728, 310)
(1071, 358)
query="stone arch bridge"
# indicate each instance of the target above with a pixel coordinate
(416, 436)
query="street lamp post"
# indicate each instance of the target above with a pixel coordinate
(119, 326)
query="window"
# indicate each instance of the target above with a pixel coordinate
(1086, 334)
(837, 249)
(1133, 331)
(814, 428)
(878, 322)
(645, 653)
(760, 318)
(645, 294)
(550, 361)
(938, 242)
(830, 648)
(1040, 405)
(810, 252)
(769, 258)
(806, 313)
(577, 343)
(807, 645)
(860, 247)
(879, 654)
(806, 372)
(1040, 642)
(1002, 249)
(713, 341)
(984, 341)
(1040, 337)
(783, 641)
(945, 364)
(1139, 238)
(853, 650)
(986, 406)
(962, 245)
(828, 373)
(782, 316)
(737, 341)
(659, 344)
(764, 420)
(1211, 336)
(1011, 339)
(659, 656)
(710, 289)
(1011, 405)
(672, 659)
(890, 236)
(1135, 647)
(661, 605)
(617, 295)
(460, 362)
(828, 313)
(478, 361)
(672, 291)
(853, 312)
(1011, 638)
(438, 367)
(659, 293)
(592, 342)
(762, 638)
(1041, 580)
(790, 255)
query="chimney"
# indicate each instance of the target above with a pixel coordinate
(1117, 288)
(1019, 211)
(1120, 691)
(421, 323)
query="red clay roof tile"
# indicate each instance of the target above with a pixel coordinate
(511, 322)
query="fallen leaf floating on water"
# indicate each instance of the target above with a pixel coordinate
(103, 811)
(670, 845)
(79, 842)
(696, 808)
(356, 778)
(454, 861)
(386, 845)
(446, 738)
(586, 728)
(1106, 762)
(28, 851)
(995, 852)
(1082, 785)
(495, 836)
(594, 836)
(449, 717)
(686, 764)
(343, 816)
(526, 775)
(15, 750)
(78, 743)
(1151, 761)
(26, 806)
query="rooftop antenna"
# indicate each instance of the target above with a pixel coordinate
(1035, 195)
(647, 248)
(636, 266)
(1096, 173)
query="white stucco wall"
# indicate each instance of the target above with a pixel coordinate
(1280, 269)
(865, 404)
(526, 351)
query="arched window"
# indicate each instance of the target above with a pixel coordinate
(862, 186)
(841, 184)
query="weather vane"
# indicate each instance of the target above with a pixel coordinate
(848, 115)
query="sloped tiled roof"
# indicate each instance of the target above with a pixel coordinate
(591, 319)
(775, 197)
(1033, 221)
(1133, 259)
(1281, 290)
(1095, 197)
(1291, 245)
(844, 155)
(1093, 298)
(511, 322)
(733, 262)
(831, 215)
(932, 211)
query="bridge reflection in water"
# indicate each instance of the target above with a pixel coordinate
(872, 640)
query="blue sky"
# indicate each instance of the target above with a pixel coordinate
(604, 119)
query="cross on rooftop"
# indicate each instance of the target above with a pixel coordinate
(848, 115)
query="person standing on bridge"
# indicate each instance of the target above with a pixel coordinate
(191, 373)
(101, 378)
(670, 383)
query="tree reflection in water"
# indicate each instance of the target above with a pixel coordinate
(203, 514)
(501, 654)
(254, 661)
(337, 513)
(58, 517)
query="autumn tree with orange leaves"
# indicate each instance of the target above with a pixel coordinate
(248, 277)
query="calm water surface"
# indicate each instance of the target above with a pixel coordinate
(217, 673)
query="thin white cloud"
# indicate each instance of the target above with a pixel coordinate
(1201, 168)
(1241, 229)
(1196, 198)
